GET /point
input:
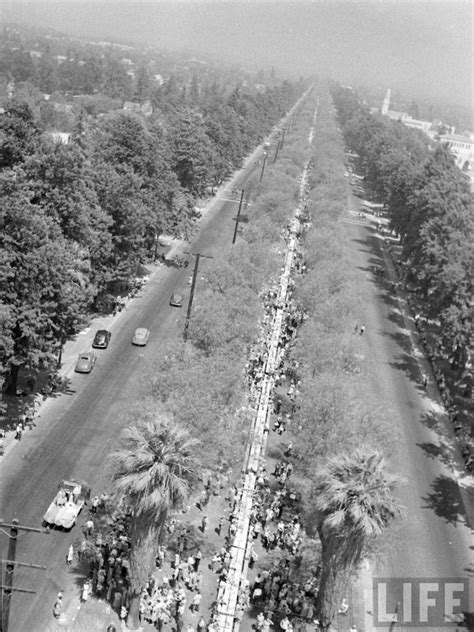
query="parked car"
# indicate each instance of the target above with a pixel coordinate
(85, 362)
(176, 300)
(102, 339)
(140, 337)
(67, 504)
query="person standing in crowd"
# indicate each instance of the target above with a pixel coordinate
(70, 555)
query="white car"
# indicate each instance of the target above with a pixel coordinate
(140, 337)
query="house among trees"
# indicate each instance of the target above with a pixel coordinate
(145, 108)
(60, 137)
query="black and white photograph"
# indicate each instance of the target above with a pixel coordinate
(236, 316)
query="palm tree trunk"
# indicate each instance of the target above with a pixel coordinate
(133, 619)
(333, 580)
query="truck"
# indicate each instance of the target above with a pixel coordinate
(63, 511)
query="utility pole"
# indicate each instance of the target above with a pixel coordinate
(10, 563)
(263, 166)
(198, 255)
(277, 150)
(240, 208)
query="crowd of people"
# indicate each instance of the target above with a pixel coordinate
(275, 521)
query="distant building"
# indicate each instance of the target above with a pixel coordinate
(403, 117)
(64, 108)
(462, 148)
(60, 137)
(460, 145)
(145, 108)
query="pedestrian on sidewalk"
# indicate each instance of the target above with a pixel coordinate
(196, 602)
(201, 625)
(89, 527)
(362, 329)
(70, 555)
(253, 558)
(344, 607)
(82, 551)
(197, 559)
(204, 523)
(123, 615)
(424, 378)
(86, 587)
(219, 525)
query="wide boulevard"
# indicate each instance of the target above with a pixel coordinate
(434, 540)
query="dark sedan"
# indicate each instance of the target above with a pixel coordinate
(102, 339)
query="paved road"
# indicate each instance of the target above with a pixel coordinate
(79, 429)
(434, 540)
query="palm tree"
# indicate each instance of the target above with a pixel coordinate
(354, 503)
(152, 473)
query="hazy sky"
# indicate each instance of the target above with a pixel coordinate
(422, 48)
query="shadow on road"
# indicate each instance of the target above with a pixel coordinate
(405, 362)
(445, 500)
(436, 452)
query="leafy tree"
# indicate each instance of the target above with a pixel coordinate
(142, 84)
(192, 154)
(354, 501)
(116, 81)
(48, 77)
(205, 395)
(63, 184)
(152, 473)
(19, 134)
(92, 74)
(44, 280)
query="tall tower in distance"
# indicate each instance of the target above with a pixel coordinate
(386, 103)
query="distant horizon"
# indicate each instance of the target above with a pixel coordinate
(420, 49)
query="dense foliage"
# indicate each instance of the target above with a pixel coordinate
(429, 206)
(77, 217)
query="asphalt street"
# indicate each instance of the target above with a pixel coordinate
(79, 428)
(434, 540)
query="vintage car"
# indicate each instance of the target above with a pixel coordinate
(67, 504)
(85, 362)
(101, 339)
(140, 337)
(176, 300)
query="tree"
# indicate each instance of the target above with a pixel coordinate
(152, 473)
(44, 280)
(193, 157)
(19, 134)
(354, 503)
